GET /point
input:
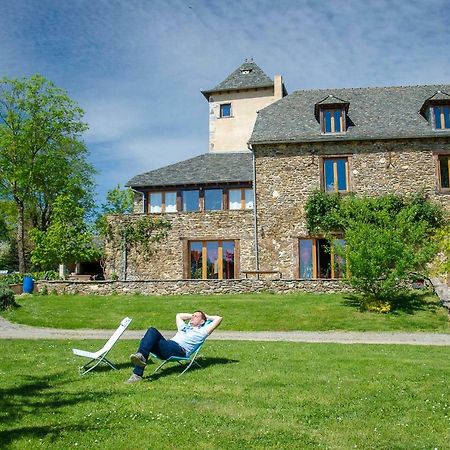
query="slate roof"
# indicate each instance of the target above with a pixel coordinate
(373, 113)
(239, 79)
(203, 169)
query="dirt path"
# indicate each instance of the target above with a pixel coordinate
(10, 330)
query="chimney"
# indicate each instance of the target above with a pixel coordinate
(277, 87)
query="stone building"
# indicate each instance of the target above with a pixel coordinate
(234, 211)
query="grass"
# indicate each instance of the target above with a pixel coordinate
(252, 312)
(248, 395)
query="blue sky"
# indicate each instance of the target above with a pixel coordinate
(137, 67)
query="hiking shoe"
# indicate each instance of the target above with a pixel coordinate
(138, 359)
(133, 379)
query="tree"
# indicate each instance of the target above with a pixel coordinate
(68, 172)
(41, 153)
(387, 238)
(118, 201)
(8, 253)
(380, 258)
(66, 240)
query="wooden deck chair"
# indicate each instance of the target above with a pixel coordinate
(100, 356)
(188, 360)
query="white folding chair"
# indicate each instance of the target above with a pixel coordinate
(100, 356)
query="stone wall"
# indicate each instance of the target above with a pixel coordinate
(170, 256)
(286, 174)
(138, 202)
(203, 287)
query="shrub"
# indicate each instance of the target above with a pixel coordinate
(17, 278)
(441, 264)
(386, 237)
(322, 212)
(6, 297)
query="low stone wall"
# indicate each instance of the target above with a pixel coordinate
(179, 287)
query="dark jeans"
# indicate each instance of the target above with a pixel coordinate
(153, 341)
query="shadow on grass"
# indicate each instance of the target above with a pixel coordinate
(39, 398)
(408, 303)
(51, 431)
(176, 368)
(106, 368)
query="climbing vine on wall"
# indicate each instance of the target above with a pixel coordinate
(144, 232)
(132, 233)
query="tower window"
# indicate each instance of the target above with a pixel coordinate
(225, 110)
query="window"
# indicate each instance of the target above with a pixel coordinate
(240, 198)
(213, 199)
(212, 260)
(335, 175)
(201, 199)
(190, 200)
(156, 202)
(161, 202)
(332, 120)
(248, 198)
(318, 258)
(225, 110)
(441, 117)
(170, 201)
(444, 172)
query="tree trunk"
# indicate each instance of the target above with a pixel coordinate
(21, 235)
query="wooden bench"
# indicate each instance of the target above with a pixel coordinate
(261, 272)
(77, 277)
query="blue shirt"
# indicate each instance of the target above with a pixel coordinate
(189, 337)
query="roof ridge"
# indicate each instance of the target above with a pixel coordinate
(369, 87)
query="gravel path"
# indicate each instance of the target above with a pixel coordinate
(10, 330)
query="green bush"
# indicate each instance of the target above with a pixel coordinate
(387, 238)
(6, 297)
(17, 278)
(323, 212)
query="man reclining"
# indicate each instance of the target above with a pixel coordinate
(187, 339)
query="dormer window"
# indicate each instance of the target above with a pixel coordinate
(441, 117)
(332, 120)
(331, 113)
(246, 71)
(436, 110)
(225, 110)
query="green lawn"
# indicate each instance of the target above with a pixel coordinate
(248, 395)
(241, 312)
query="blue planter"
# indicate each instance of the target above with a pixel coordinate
(28, 285)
